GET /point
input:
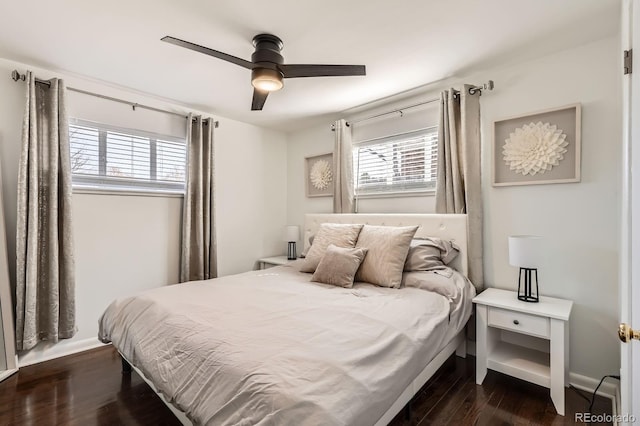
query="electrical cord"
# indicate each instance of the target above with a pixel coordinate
(580, 393)
(593, 397)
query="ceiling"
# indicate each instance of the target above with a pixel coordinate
(404, 44)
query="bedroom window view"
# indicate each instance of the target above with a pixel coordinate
(104, 157)
(397, 164)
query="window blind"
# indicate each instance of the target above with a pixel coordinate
(397, 164)
(107, 157)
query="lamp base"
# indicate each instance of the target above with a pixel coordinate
(530, 299)
(526, 294)
(291, 251)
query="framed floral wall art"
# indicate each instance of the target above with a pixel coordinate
(318, 170)
(537, 148)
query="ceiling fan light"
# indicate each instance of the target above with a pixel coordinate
(266, 79)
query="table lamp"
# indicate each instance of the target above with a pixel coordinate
(292, 233)
(525, 252)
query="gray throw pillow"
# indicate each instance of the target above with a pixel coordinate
(429, 253)
(339, 265)
(306, 249)
(340, 235)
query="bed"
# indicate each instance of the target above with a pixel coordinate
(270, 347)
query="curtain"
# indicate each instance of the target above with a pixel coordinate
(45, 269)
(198, 255)
(343, 191)
(458, 187)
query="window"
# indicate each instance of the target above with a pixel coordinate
(402, 163)
(106, 157)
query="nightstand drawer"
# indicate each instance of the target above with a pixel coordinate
(517, 321)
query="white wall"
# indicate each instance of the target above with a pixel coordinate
(315, 141)
(579, 221)
(251, 199)
(125, 244)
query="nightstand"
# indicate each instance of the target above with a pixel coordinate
(529, 341)
(268, 262)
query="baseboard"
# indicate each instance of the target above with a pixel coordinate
(7, 373)
(46, 351)
(609, 388)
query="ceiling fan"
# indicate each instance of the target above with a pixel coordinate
(268, 68)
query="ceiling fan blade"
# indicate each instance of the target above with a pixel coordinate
(259, 98)
(306, 70)
(210, 52)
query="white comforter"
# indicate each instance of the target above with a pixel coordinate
(271, 348)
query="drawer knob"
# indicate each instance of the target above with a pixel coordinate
(516, 322)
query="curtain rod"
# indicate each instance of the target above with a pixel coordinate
(16, 76)
(472, 91)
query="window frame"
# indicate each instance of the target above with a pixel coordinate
(103, 184)
(394, 192)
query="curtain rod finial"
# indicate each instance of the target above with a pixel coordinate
(15, 75)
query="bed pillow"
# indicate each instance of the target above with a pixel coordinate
(306, 249)
(440, 281)
(340, 235)
(388, 247)
(429, 253)
(338, 266)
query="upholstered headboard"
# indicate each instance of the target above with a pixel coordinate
(447, 226)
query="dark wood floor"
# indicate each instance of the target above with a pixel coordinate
(452, 397)
(89, 389)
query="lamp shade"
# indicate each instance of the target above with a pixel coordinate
(291, 233)
(525, 251)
